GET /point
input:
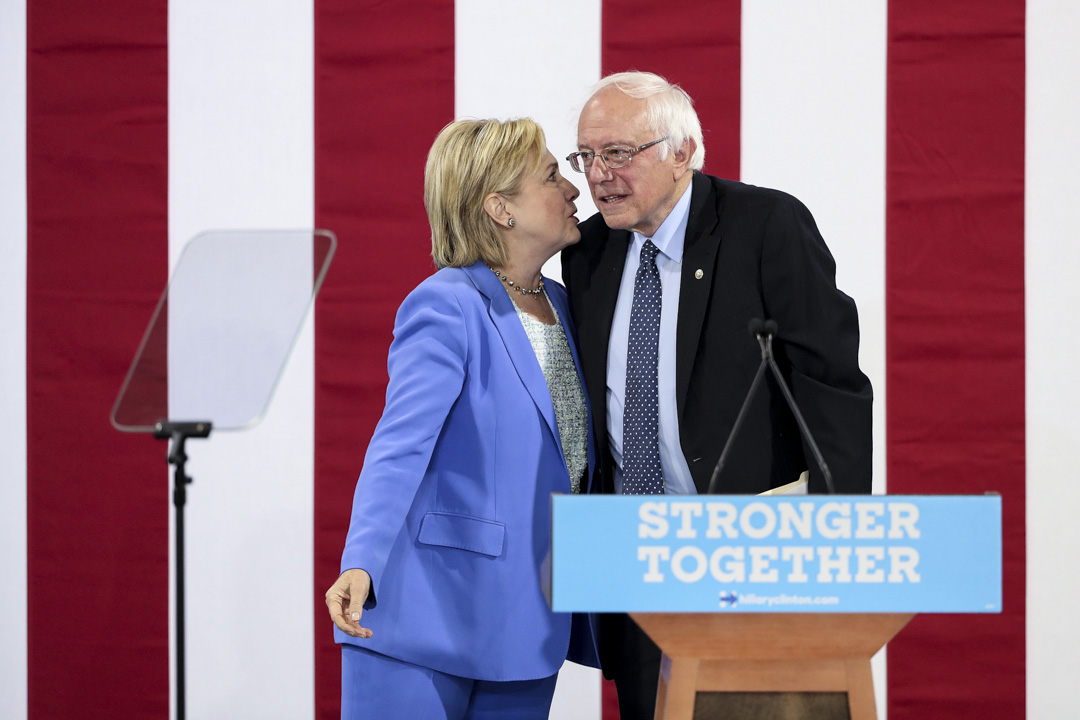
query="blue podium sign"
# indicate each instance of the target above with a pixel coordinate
(744, 553)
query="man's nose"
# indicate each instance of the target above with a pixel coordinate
(599, 171)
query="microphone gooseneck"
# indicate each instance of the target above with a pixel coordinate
(764, 331)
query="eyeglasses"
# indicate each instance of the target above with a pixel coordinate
(616, 156)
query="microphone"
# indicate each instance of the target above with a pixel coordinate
(764, 330)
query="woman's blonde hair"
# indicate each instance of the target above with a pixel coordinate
(469, 160)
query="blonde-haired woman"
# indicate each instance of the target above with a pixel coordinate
(439, 607)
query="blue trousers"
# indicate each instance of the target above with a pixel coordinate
(377, 687)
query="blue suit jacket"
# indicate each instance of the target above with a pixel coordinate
(451, 515)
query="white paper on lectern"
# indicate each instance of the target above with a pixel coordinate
(799, 487)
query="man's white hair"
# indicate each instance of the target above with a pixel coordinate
(669, 110)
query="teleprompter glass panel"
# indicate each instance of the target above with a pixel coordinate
(223, 330)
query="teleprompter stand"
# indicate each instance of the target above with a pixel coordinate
(178, 433)
(214, 352)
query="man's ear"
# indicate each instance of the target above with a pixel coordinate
(682, 158)
(495, 207)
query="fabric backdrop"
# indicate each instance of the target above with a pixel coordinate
(933, 141)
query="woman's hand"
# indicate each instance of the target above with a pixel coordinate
(345, 598)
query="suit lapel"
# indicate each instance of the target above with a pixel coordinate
(608, 279)
(510, 330)
(699, 255)
(603, 296)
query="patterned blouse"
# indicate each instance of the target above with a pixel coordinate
(553, 352)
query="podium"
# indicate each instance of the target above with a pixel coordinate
(751, 595)
(768, 653)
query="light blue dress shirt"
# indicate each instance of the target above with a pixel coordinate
(669, 238)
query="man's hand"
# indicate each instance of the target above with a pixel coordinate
(345, 598)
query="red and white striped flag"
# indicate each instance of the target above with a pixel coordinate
(933, 141)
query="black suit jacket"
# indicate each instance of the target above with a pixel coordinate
(759, 255)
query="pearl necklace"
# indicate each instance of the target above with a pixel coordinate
(522, 290)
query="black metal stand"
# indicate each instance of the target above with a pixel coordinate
(179, 432)
(764, 331)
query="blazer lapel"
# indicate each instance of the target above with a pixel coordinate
(699, 255)
(560, 302)
(510, 330)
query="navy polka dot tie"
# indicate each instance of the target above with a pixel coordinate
(642, 474)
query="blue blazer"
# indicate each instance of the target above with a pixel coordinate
(452, 512)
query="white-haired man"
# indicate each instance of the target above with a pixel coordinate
(663, 285)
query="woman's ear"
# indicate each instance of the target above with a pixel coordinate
(495, 207)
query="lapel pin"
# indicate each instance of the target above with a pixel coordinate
(699, 274)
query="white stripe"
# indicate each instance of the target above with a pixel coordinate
(538, 60)
(813, 125)
(13, 619)
(1052, 258)
(533, 60)
(241, 155)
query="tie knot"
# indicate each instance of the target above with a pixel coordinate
(649, 252)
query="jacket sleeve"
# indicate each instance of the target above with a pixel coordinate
(426, 364)
(818, 346)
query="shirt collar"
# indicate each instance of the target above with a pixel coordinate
(670, 237)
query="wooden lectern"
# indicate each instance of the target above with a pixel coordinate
(767, 652)
(777, 601)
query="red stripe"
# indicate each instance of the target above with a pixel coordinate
(955, 324)
(97, 500)
(699, 49)
(384, 87)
